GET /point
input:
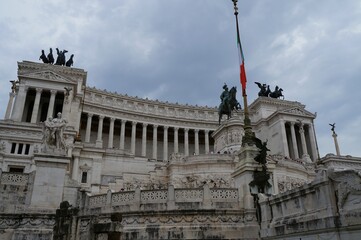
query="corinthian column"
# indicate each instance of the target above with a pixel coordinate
(51, 104)
(111, 133)
(196, 141)
(99, 142)
(10, 105)
(294, 141)
(155, 134)
(34, 115)
(186, 142)
(165, 143)
(19, 103)
(132, 142)
(122, 134)
(176, 140)
(206, 138)
(144, 140)
(88, 127)
(303, 141)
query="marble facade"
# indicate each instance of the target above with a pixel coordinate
(135, 168)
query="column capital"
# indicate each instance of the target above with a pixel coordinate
(145, 125)
(26, 88)
(196, 130)
(123, 121)
(186, 129)
(90, 115)
(101, 117)
(112, 119)
(53, 92)
(292, 123)
(155, 126)
(176, 128)
(134, 123)
(38, 90)
(206, 131)
(165, 127)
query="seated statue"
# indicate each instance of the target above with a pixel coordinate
(53, 131)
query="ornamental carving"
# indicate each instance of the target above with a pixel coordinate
(347, 182)
(191, 219)
(19, 179)
(286, 183)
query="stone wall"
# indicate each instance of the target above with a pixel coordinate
(187, 213)
(327, 208)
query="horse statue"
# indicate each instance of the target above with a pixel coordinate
(264, 89)
(277, 93)
(229, 103)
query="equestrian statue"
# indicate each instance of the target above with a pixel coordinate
(229, 102)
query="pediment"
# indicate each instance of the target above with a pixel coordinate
(298, 111)
(48, 76)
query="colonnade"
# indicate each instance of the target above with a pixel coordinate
(144, 129)
(17, 111)
(299, 140)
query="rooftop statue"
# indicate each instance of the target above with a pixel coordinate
(264, 89)
(69, 63)
(53, 133)
(14, 85)
(277, 93)
(266, 92)
(333, 126)
(50, 56)
(60, 60)
(228, 102)
(43, 57)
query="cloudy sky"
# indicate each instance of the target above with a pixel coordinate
(184, 50)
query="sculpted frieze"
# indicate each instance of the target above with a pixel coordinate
(286, 183)
(181, 218)
(347, 182)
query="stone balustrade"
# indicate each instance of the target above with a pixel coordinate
(167, 199)
(18, 179)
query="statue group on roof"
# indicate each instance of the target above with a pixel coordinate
(60, 60)
(265, 91)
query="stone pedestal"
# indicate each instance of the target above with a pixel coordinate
(49, 181)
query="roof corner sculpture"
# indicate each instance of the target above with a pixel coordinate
(60, 60)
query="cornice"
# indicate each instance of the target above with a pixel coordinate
(275, 102)
(148, 101)
(26, 67)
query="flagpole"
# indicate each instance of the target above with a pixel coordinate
(248, 133)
